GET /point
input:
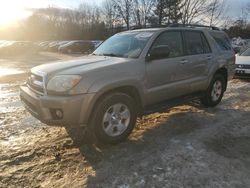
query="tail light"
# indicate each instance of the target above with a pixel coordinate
(234, 57)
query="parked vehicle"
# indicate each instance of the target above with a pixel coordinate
(243, 64)
(3, 43)
(54, 46)
(97, 43)
(44, 45)
(77, 47)
(131, 74)
(18, 48)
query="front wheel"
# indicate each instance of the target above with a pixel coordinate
(215, 91)
(114, 118)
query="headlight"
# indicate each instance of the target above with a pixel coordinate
(63, 83)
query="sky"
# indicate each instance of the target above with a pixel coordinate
(12, 11)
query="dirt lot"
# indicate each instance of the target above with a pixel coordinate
(186, 146)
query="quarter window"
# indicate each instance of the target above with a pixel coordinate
(222, 41)
(172, 40)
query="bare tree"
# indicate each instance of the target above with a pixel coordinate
(216, 10)
(245, 13)
(109, 12)
(87, 12)
(143, 11)
(124, 9)
(136, 13)
(192, 10)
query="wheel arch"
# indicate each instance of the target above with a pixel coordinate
(130, 90)
(223, 71)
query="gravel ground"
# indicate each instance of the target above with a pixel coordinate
(186, 146)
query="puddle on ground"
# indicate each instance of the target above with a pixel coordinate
(9, 71)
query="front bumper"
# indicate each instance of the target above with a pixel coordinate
(242, 73)
(75, 109)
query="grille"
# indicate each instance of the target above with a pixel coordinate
(243, 66)
(36, 83)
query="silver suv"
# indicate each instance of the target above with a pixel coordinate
(131, 74)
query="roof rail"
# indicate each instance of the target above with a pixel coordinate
(193, 26)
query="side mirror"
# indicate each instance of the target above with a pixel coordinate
(159, 52)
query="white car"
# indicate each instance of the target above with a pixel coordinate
(243, 64)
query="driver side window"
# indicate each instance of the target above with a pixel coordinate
(172, 40)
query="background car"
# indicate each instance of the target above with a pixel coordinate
(54, 46)
(18, 48)
(43, 46)
(77, 47)
(97, 43)
(243, 64)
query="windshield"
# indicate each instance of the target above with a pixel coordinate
(128, 44)
(246, 53)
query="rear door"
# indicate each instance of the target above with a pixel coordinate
(199, 56)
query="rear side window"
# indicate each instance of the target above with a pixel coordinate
(206, 46)
(222, 40)
(196, 43)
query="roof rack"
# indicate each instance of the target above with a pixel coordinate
(194, 25)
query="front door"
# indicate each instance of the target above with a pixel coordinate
(165, 77)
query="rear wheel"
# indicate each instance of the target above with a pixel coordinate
(215, 91)
(114, 118)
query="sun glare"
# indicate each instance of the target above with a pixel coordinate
(12, 11)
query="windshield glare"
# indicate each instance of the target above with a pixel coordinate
(246, 53)
(128, 45)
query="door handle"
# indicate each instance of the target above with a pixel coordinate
(209, 57)
(184, 61)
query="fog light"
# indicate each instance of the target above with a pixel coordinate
(59, 113)
(56, 114)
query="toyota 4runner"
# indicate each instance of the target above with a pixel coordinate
(131, 74)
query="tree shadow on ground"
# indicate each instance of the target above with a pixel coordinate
(110, 161)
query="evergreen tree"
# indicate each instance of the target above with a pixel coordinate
(169, 11)
(174, 10)
(160, 10)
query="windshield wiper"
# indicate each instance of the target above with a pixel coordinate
(109, 54)
(112, 55)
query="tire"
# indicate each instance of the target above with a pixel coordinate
(114, 118)
(215, 91)
(69, 51)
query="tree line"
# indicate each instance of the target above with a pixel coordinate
(112, 16)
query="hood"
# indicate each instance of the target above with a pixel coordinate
(78, 66)
(243, 60)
